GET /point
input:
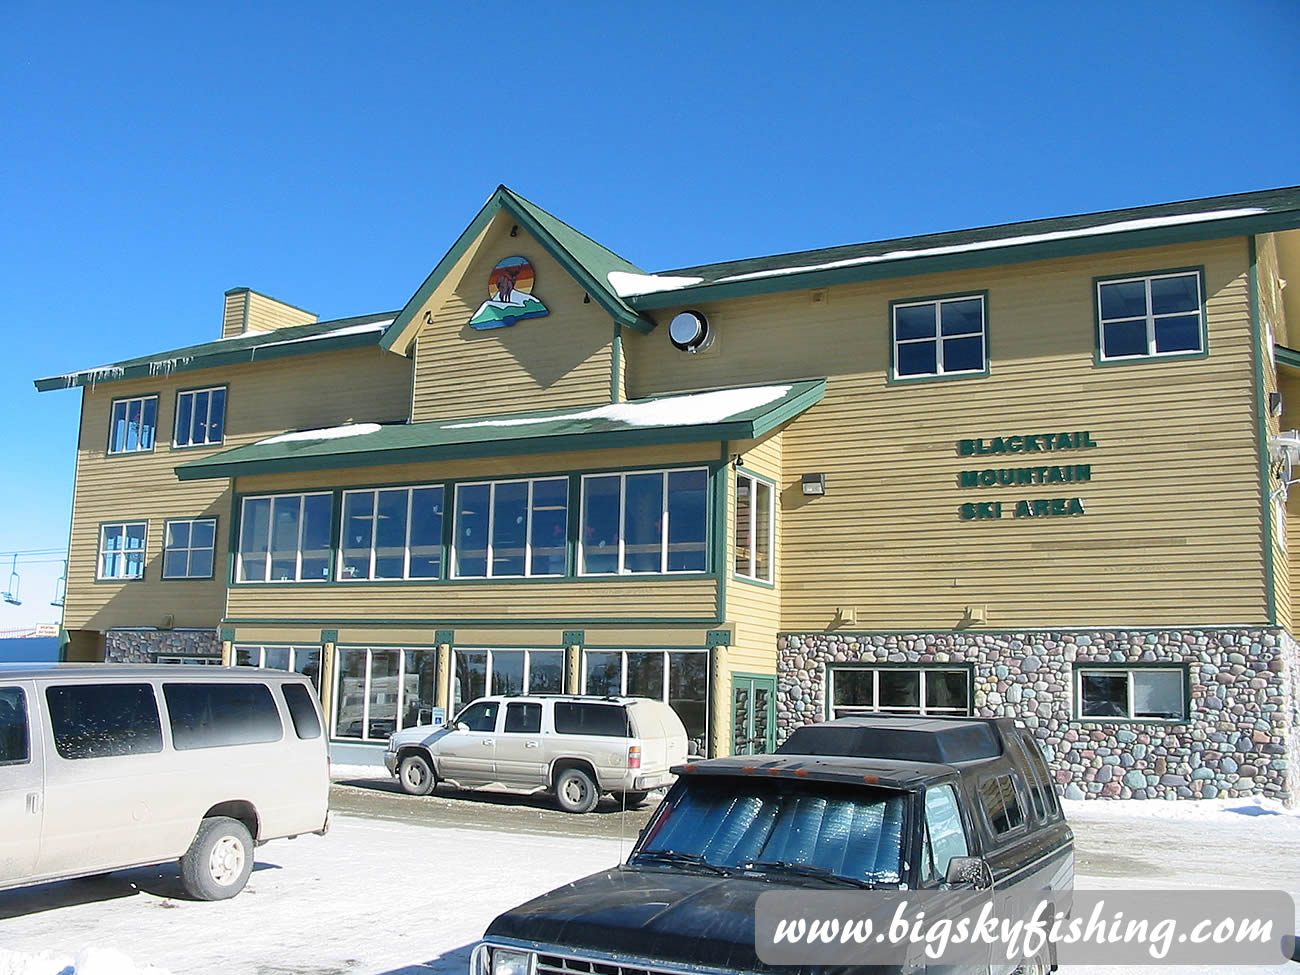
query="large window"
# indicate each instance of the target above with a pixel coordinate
(103, 720)
(755, 528)
(188, 548)
(299, 660)
(206, 715)
(380, 690)
(392, 533)
(133, 425)
(940, 337)
(899, 690)
(200, 417)
(680, 678)
(482, 672)
(285, 538)
(1155, 315)
(122, 550)
(644, 522)
(511, 529)
(1156, 693)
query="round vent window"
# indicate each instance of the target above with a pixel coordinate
(690, 331)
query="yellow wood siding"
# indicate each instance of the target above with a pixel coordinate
(262, 399)
(266, 314)
(560, 360)
(1289, 530)
(232, 319)
(1173, 530)
(754, 610)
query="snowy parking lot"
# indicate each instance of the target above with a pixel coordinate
(407, 893)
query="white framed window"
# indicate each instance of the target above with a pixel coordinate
(511, 529)
(284, 538)
(1132, 693)
(899, 690)
(644, 522)
(940, 337)
(190, 661)
(122, 548)
(133, 425)
(505, 670)
(755, 528)
(380, 690)
(189, 548)
(679, 678)
(200, 417)
(391, 533)
(1150, 316)
(303, 660)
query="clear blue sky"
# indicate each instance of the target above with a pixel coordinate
(328, 153)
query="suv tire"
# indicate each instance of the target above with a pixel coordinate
(630, 800)
(416, 775)
(575, 791)
(218, 862)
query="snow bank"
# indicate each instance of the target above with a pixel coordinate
(1268, 811)
(94, 960)
(342, 773)
(328, 433)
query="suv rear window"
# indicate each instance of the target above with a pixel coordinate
(301, 710)
(572, 718)
(102, 720)
(213, 715)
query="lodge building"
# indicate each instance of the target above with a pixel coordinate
(1038, 469)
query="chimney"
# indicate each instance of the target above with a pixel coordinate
(250, 311)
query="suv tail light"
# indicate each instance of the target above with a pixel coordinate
(634, 756)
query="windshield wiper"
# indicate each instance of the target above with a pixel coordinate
(805, 870)
(675, 856)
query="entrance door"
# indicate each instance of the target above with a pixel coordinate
(22, 781)
(753, 705)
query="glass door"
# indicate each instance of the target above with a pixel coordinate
(753, 717)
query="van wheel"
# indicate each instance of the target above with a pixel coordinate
(218, 862)
(575, 791)
(416, 775)
(630, 799)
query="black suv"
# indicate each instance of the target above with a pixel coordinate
(884, 803)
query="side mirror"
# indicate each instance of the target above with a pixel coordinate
(460, 726)
(972, 871)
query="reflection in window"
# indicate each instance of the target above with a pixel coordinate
(945, 837)
(122, 550)
(101, 720)
(188, 548)
(200, 416)
(511, 529)
(301, 660)
(482, 672)
(1148, 692)
(285, 538)
(133, 425)
(1150, 316)
(394, 533)
(678, 678)
(755, 528)
(14, 748)
(940, 338)
(382, 690)
(899, 690)
(644, 522)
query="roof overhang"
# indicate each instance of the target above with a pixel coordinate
(710, 416)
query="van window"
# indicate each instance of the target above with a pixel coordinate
(213, 715)
(944, 836)
(480, 717)
(591, 719)
(301, 710)
(13, 727)
(102, 720)
(524, 717)
(1001, 804)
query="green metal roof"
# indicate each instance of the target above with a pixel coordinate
(342, 333)
(701, 417)
(1239, 214)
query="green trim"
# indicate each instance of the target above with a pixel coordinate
(163, 566)
(776, 499)
(634, 647)
(99, 541)
(616, 366)
(444, 636)
(574, 638)
(109, 452)
(504, 622)
(226, 634)
(893, 379)
(1286, 357)
(719, 638)
(770, 683)
(1261, 431)
(869, 664)
(176, 414)
(1076, 691)
(1204, 351)
(720, 481)
(329, 636)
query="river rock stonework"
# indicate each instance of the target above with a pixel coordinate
(146, 646)
(1241, 738)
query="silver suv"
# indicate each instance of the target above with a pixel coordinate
(578, 747)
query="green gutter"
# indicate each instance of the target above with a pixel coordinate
(616, 366)
(1261, 414)
(1286, 357)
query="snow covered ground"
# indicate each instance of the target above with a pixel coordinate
(377, 897)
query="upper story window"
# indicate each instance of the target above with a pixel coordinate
(1154, 315)
(649, 521)
(392, 533)
(122, 550)
(285, 538)
(133, 425)
(755, 528)
(1135, 693)
(200, 417)
(188, 549)
(511, 529)
(940, 337)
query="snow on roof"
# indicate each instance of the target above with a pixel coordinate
(692, 408)
(333, 333)
(626, 284)
(327, 433)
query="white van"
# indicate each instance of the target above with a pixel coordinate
(108, 766)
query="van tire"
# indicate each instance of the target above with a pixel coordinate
(219, 861)
(416, 775)
(575, 791)
(630, 800)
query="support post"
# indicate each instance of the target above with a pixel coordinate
(719, 703)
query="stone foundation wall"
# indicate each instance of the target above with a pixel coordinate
(1242, 736)
(145, 646)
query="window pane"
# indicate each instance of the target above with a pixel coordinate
(944, 828)
(480, 717)
(550, 526)
(318, 511)
(383, 693)
(605, 674)
(1105, 695)
(1127, 338)
(276, 658)
(184, 417)
(203, 534)
(117, 434)
(178, 534)
(14, 747)
(523, 717)
(302, 710)
(99, 720)
(854, 688)
(1179, 334)
(252, 539)
(217, 416)
(349, 709)
(600, 511)
(200, 427)
(426, 533)
(133, 408)
(963, 355)
(471, 676)
(900, 690)
(590, 719)
(149, 423)
(358, 524)
(284, 538)
(507, 672)
(917, 359)
(390, 535)
(1170, 295)
(216, 715)
(176, 565)
(135, 554)
(688, 695)
(201, 563)
(546, 672)
(947, 689)
(472, 529)
(645, 675)
(1001, 803)
(1158, 694)
(744, 537)
(248, 656)
(914, 322)
(306, 661)
(509, 529)
(1127, 299)
(643, 523)
(963, 317)
(418, 686)
(688, 509)
(763, 531)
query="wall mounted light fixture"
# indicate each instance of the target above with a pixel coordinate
(813, 484)
(1274, 404)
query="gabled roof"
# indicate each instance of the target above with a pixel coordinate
(588, 262)
(342, 333)
(713, 416)
(1237, 215)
